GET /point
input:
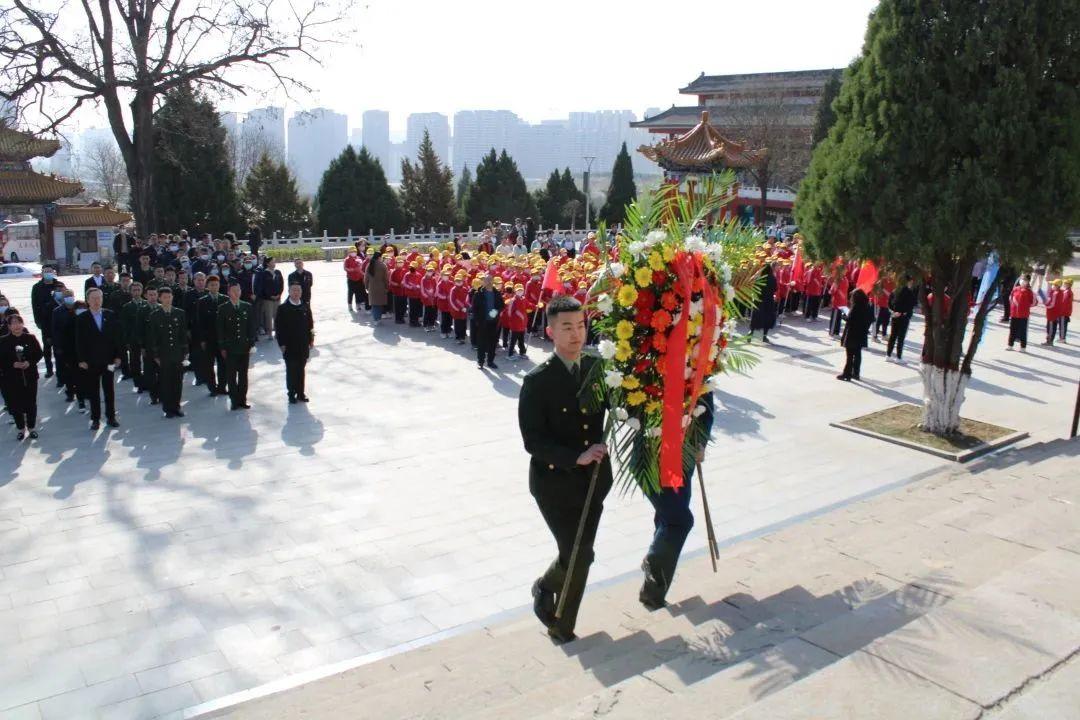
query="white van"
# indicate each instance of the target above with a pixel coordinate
(21, 241)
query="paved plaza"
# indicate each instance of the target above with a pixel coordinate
(169, 563)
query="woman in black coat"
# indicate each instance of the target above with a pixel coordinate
(20, 352)
(763, 317)
(860, 319)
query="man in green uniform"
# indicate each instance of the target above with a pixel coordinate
(236, 337)
(167, 336)
(563, 433)
(129, 333)
(213, 360)
(116, 301)
(149, 367)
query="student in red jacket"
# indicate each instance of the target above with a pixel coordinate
(442, 303)
(410, 285)
(881, 303)
(1066, 309)
(838, 300)
(354, 280)
(814, 288)
(458, 303)
(397, 293)
(1020, 304)
(428, 296)
(517, 312)
(1053, 311)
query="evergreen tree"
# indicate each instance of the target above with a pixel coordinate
(957, 133)
(354, 195)
(270, 198)
(825, 117)
(427, 189)
(463, 185)
(499, 191)
(622, 191)
(560, 202)
(194, 188)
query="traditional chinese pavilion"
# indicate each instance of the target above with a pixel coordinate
(701, 150)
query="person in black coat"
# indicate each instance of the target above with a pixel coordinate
(303, 278)
(902, 305)
(42, 302)
(254, 238)
(487, 304)
(294, 331)
(62, 331)
(763, 317)
(19, 356)
(860, 319)
(98, 349)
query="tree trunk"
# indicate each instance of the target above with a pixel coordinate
(140, 171)
(944, 379)
(943, 394)
(764, 197)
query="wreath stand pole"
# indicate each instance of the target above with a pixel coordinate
(577, 541)
(714, 549)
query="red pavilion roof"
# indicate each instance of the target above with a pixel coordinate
(701, 148)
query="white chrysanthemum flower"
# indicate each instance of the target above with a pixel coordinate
(613, 378)
(695, 244)
(605, 304)
(715, 252)
(621, 415)
(654, 237)
(729, 290)
(653, 432)
(714, 352)
(636, 248)
(606, 347)
(616, 269)
(725, 272)
(634, 424)
(730, 328)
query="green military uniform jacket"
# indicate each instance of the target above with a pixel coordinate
(235, 327)
(116, 300)
(143, 323)
(558, 422)
(167, 335)
(129, 322)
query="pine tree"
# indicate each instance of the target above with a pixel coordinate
(354, 195)
(560, 202)
(825, 117)
(463, 185)
(194, 188)
(427, 189)
(270, 198)
(957, 133)
(499, 191)
(622, 191)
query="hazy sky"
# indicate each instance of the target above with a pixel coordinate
(543, 59)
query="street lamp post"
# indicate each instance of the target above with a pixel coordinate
(585, 185)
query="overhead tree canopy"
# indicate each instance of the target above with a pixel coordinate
(270, 199)
(622, 191)
(195, 188)
(354, 195)
(499, 191)
(126, 55)
(427, 189)
(957, 133)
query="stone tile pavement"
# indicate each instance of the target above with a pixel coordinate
(168, 563)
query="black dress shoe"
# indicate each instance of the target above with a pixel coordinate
(33, 435)
(244, 406)
(303, 398)
(178, 413)
(170, 415)
(95, 425)
(112, 422)
(493, 366)
(292, 400)
(48, 374)
(543, 605)
(561, 636)
(651, 601)
(154, 401)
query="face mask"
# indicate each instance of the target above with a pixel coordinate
(49, 276)
(58, 296)
(69, 301)
(352, 255)
(220, 257)
(249, 265)
(225, 272)
(80, 311)
(4, 308)
(174, 248)
(519, 293)
(204, 258)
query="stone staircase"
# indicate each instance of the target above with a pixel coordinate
(950, 598)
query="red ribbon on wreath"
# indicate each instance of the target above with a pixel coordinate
(689, 274)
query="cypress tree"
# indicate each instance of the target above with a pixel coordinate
(622, 191)
(957, 133)
(427, 189)
(271, 199)
(354, 195)
(499, 191)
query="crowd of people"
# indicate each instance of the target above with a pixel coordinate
(169, 306)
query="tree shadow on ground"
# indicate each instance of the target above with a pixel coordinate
(737, 415)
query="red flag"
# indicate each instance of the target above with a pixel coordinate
(797, 265)
(868, 275)
(551, 279)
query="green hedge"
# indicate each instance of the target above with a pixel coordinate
(304, 253)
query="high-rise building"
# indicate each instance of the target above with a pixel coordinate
(375, 136)
(316, 137)
(438, 127)
(478, 131)
(269, 123)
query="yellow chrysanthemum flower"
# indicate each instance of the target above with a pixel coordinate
(624, 330)
(635, 398)
(655, 261)
(622, 351)
(669, 253)
(627, 295)
(643, 276)
(631, 383)
(651, 407)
